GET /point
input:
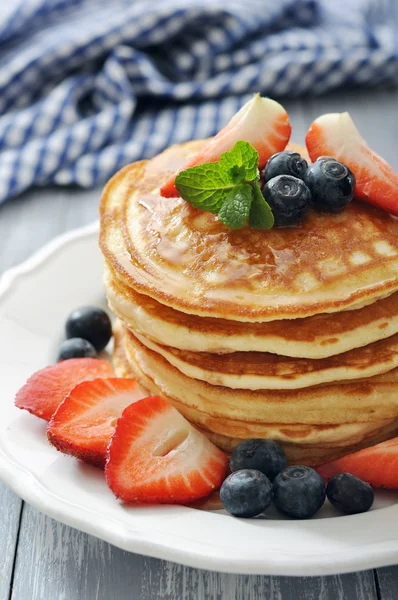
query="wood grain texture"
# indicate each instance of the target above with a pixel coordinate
(55, 562)
(10, 510)
(387, 583)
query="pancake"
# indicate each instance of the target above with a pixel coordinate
(311, 444)
(315, 337)
(188, 260)
(314, 456)
(361, 401)
(262, 370)
(119, 358)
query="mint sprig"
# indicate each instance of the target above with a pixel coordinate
(236, 208)
(242, 155)
(261, 216)
(228, 188)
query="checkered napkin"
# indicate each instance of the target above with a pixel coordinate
(87, 86)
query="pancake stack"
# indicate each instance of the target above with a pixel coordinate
(289, 334)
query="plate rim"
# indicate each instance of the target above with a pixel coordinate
(164, 545)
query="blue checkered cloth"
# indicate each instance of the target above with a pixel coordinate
(87, 86)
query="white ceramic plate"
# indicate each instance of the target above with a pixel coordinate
(35, 298)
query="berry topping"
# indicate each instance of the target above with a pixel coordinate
(331, 184)
(288, 198)
(336, 135)
(376, 465)
(76, 348)
(90, 323)
(156, 456)
(263, 455)
(262, 122)
(46, 389)
(285, 163)
(349, 494)
(246, 493)
(299, 492)
(85, 421)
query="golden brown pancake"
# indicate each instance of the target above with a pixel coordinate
(314, 456)
(188, 260)
(317, 337)
(289, 334)
(307, 443)
(360, 401)
(262, 370)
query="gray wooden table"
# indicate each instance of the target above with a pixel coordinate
(42, 559)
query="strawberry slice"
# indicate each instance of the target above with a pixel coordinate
(336, 135)
(85, 421)
(46, 389)
(157, 456)
(378, 465)
(262, 122)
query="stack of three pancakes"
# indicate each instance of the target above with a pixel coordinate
(289, 334)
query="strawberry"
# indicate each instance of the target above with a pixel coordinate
(85, 421)
(377, 465)
(156, 456)
(261, 121)
(46, 389)
(336, 135)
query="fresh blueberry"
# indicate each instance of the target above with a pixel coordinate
(263, 455)
(331, 183)
(76, 348)
(349, 494)
(285, 163)
(246, 493)
(288, 198)
(326, 158)
(90, 323)
(299, 492)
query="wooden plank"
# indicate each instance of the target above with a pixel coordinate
(387, 583)
(30, 221)
(54, 561)
(10, 510)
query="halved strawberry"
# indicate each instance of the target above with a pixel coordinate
(46, 389)
(262, 122)
(378, 465)
(156, 456)
(85, 421)
(336, 135)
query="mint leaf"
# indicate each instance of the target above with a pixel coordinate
(238, 174)
(228, 188)
(205, 186)
(261, 216)
(242, 155)
(236, 208)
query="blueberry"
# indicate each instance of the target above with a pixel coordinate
(263, 455)
(349, 494)
(246, 493)
(331, 183)
(285, 163)
(299, 492)
(90, 323)
(76, 348)
(288, 198)
(326, 158)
